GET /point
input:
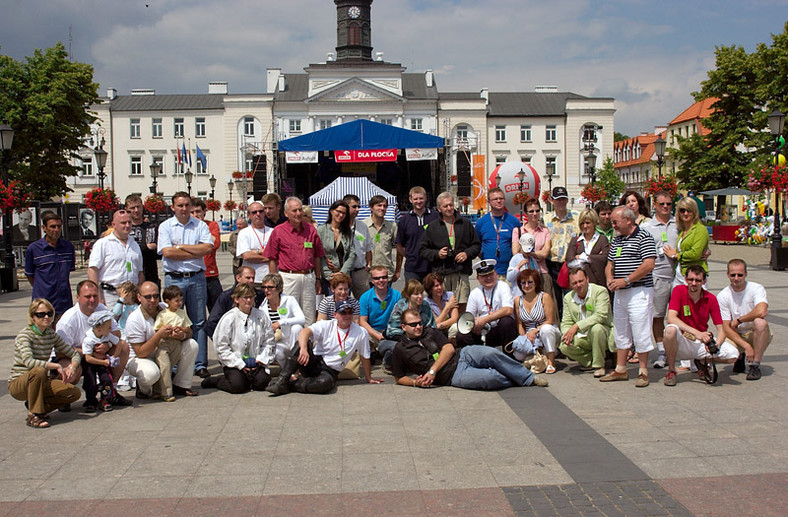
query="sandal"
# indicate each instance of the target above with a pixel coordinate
(550, 369)
(633, 357)
(36, 421)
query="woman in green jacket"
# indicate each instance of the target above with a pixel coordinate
(337, 238)
(692, 242)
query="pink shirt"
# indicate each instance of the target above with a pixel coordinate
(294, 250)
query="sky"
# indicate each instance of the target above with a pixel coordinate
(647, 55)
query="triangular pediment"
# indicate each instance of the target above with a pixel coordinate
(355, 90)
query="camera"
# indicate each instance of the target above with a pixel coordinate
(712, 346)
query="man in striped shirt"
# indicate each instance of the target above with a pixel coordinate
(630, 262)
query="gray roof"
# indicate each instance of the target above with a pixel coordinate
(534, 104)
(414, 86)
(167, 102)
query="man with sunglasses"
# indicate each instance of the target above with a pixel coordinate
(252, 241)
(376, 306)
(424, 356)
(686, 335)
(662, 228)
(744, 306)
(324, 350)
(144, 342)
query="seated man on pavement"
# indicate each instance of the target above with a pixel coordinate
(430, 356)
(144, 341)
(686, 335)
(587, 324)
(376, 307)
(744, 306)
(492, 305)
(324, 350)
(223, 304)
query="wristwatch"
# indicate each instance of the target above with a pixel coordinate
(626, 279)
(431, 372)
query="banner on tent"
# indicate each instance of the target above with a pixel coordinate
(416, 155)
(301, 157)
(377, 155)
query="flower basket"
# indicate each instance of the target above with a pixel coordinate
(213, 205)
(230, 205)
(667, 183)
(155, 204)
(760, 180)
(238, 175)
(593, 193)
(101, 200)
(545, 196)
(520, 198)
(14, 196)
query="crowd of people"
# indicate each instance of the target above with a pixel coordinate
(608, 283)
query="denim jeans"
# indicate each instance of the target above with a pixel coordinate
(484, 368)
(195, 294)
(385, 348)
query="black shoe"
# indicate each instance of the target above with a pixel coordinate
(738, 366)
(64, 409)
(117, 400)
(209, 383)
(280, 386)
(140, 394)
(90, 406)
(202, 373)
(755, 373)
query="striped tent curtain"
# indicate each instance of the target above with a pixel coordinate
(362, 187)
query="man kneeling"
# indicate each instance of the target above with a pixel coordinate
(333, 343)
(429, 355)
(686, 335)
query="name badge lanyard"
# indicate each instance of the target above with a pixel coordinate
(342, 352)
(492, 299)
(497, 236)
(262, 246)
(451, 235)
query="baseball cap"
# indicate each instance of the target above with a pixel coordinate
(343, 306)
(560, 192)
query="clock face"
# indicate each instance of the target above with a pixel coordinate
(354, 12)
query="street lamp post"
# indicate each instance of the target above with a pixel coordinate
(189, 177)
(521, 177)
(155, 169)
(776, 125)
(659, 150)
(591, 161)
(10, 281)
(550, 171)
(101, 162)
(212, 181)
(230, 186)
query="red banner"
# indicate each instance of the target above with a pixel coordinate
(377, 155)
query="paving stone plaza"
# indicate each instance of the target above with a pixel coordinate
(578, 447)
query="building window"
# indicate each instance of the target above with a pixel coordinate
(199, 127)
(175, 165)
(295, 126)
(198, 166)
(526, 159)
(160, 161)
(525, 133)
(550, 164)
(325, 124)
(178, 127)
(136, 166)
(387, 121)
(462, 132)
(134, 129)
(550, 134)
(500, 160)
(500, 133)
(156, 130)
(87, 168)
(416, 124)
(248, 126)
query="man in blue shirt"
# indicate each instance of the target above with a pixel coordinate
(49, 262)
(183, 242)
(376, 306)
(495, 231)
(409, 230)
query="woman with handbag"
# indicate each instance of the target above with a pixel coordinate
(534, 312)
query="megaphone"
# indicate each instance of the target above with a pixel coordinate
(466, 323)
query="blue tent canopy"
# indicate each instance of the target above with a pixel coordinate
(361, 135)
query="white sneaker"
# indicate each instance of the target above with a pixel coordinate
(660, 362)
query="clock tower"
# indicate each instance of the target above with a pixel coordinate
(354, 30)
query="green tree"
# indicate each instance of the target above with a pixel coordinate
(617, 137)
(46, 100)
(608, 179)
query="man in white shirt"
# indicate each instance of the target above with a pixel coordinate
(144, 341)
(252, 241)
(325, 348)
(73, 327)
(492, 305)
(115, 259)
(743, 306)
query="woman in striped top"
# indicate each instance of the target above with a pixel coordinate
(534, 312)
(287, 318)
(340, 287)
(29, 380)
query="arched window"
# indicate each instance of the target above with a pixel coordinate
(354, 34)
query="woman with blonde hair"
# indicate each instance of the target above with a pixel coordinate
(589, 248)
(692, 241)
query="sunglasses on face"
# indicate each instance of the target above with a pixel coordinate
(380, 277)
(735, 275)
(150, 296)
(269, 287)
(527, 282)
(414, 324)
(255, 212)
(665, 204)
(47, 314)
(683, 210)
(535, 211)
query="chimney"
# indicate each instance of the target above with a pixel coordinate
(272, 79)
(330, 56)
(485, 94)
(112, 93)
(143, 91)
(429, 78)
(217, 87)
(282, 85)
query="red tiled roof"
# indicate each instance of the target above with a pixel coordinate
(698, 111)
(646, 148)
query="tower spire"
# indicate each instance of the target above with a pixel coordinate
(354, 30)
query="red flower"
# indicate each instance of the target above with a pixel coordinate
(14, 196)
(155, 204)
(212, 205)
(101, 200)
(229, 205)
(545, 196)
(667, 183)
(593, 193)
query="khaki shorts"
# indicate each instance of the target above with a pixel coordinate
(662, 290)
(459, 284)
(748, 337)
